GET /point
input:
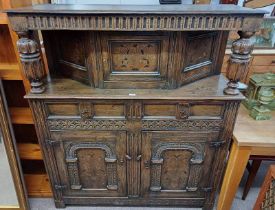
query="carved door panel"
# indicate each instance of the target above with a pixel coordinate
(177, 163)
(93, 162)
(140, 60)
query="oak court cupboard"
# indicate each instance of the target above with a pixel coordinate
(134, 110)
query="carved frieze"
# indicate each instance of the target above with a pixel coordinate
(87, 124)
(134, 22)
(182, 125)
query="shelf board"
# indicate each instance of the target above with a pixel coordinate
(29, 151)
(21, 115)
(38, 185)
(10, 71)
(3, 19)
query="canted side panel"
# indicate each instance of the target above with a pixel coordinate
(69, 50)
(200, 54)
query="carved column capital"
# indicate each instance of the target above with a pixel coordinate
(239, 62)
(32, 64)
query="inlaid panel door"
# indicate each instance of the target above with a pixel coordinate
(91, 163)
(177, 163)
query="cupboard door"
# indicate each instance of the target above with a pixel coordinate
(93, 162)
(134, 60)
(177, 163)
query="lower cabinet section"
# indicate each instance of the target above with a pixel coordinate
(166, 157)
(165, 164)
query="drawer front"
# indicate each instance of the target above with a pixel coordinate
(127, 110)
(263, 60)
(85, 110)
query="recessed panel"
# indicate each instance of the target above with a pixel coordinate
(102, 110)
(206, 110)
(63, 109)
(159, 110)
(94, 174)
(175, 169)
(198, 51)
(135, 56)
(135, 60)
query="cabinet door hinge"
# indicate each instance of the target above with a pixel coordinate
(59, 187)
(217, 144)
(52, 142)
(207, 189)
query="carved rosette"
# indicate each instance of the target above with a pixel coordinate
(239, 62)
(196, 160)
(31, 63)
(86, 110)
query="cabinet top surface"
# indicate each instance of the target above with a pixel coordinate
(250, 132)
(135, 9)
(210, 88)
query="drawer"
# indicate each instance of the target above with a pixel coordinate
(109, 109)
(182, 110)
(263, 60)
(85, 109)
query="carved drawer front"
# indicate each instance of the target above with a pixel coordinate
(134, 60)
(91, 163)
(182, 110)
(177, 163)
(86, 110)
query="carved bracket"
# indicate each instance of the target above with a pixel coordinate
(32, 64)
(86, 110)
(183, 111)
(239, 62)
(134, 110)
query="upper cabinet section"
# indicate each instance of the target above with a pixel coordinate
(136, 17)
(132, 46)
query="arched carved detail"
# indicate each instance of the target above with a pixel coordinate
(72, 165)
(197, 150)
(72, 149)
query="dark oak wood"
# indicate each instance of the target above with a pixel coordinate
(135, 111)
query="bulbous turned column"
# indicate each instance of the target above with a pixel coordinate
(32, 64)
(239, 61)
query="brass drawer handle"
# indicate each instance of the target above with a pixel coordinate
(128, 157)
(138, 158)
